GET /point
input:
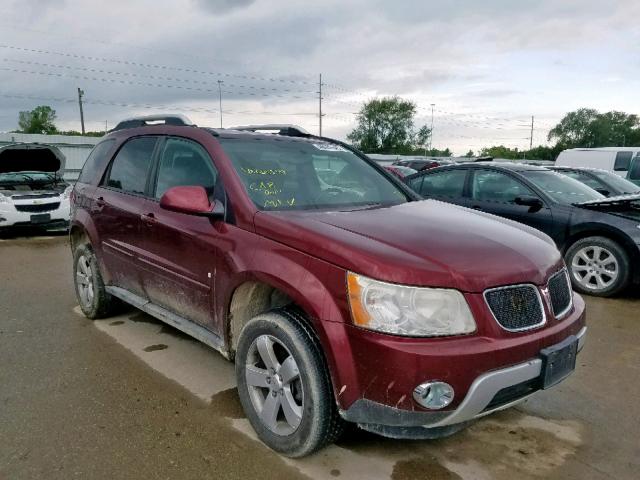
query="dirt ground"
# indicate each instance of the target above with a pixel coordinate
(129, 398)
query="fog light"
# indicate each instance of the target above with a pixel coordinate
(433, 395)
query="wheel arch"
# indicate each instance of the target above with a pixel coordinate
(611, 233)
(257, 293)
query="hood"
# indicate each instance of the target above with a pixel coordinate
(426, 243)
(31, 157)
(620, 200)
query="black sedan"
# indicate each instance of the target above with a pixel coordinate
(607, 183)
(598, 236)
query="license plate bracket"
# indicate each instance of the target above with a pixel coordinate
(41, 218)
(558, 361)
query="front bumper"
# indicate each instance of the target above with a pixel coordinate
(522, 379)
(57, 217)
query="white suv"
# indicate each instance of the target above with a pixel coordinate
(32, 191)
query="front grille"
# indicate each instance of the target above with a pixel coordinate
(560, 293)
(516, 307)
(513, 393)
(29, 196)
(32, 208)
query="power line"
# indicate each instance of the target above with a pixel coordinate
(152, 77)
(149, 106)
(154, 66)
(146, 84)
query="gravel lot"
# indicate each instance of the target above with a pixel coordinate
(127, 397)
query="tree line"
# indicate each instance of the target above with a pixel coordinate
(387, 125)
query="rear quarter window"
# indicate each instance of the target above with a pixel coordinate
(96, 162)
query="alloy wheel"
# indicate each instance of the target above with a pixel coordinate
(595, 268)
(274, 385)
(84, 281)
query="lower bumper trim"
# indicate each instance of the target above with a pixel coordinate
(477, 402)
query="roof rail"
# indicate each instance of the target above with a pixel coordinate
(279, 128)
(165, 119)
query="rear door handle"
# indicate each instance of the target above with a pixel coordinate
(148, 218)
(476, 207)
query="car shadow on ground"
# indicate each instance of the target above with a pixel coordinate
(30, 232)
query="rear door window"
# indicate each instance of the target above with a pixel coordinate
(448, 183)
(492, 186)
(130, 169)
(623, 160)
(185, 163)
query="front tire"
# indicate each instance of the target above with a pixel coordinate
(598, 266)
(92, 296)
(284, 385)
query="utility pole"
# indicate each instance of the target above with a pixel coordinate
(80, 94)
(431, 132)
(320, 104)
(106, 127)
(531, 138)
(220, 99)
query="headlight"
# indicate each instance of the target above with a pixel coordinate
(410, 311)
(67, 192)
(3, 199)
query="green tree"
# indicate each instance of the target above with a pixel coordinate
(386, 125)
(434, 152)
(586, 127)
(500, 151)
(38, 120)
(469, 154)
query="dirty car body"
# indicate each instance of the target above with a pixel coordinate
(426, 315)
(32, 190)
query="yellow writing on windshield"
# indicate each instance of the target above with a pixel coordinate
(277, 202)
(263, 171)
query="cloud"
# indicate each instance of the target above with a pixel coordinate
(479, 60)
(222, 6)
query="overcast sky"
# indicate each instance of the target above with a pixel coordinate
(487, 66)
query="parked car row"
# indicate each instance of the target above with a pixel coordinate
(623, 161)
(598, 236)
(340, 294)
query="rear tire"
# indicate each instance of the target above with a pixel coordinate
(284, 384)
(598, 266)
(92, 296)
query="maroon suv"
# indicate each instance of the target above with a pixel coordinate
(341, 297)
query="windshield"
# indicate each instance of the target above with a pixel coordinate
(561, 188)
(288, 174)
(616, 181)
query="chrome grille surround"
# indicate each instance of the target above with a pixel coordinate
(531, 316)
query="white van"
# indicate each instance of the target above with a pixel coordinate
(612, 159)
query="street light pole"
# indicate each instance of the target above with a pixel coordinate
(220, 100)
(431, 132)
(320, 105)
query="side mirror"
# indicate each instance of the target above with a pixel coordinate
(534, 203)
(191, 200)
